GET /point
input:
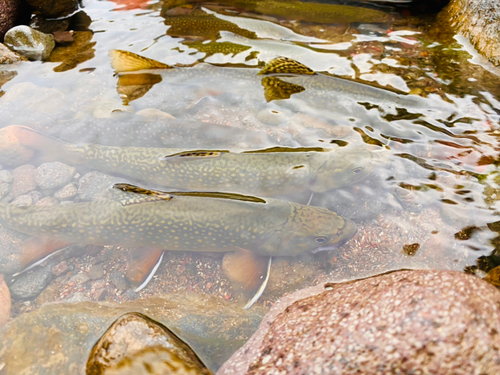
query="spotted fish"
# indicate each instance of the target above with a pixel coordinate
(268, 172)
(153, 221)
(322, 89)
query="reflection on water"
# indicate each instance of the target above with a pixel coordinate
(400, 128)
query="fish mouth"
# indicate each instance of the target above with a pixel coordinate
(350, 229)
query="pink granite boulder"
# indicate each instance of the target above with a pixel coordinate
(406, 322)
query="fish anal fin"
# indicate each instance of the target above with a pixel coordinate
(284, 65)
(142, 263)
(125, 61)
(196, 154)
(36, 248)
(249, 271)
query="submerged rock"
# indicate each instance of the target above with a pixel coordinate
(57, 338)
(31, 283)
(5, 302)
(53, 175)
(30, 43)
(136, 344)
(479, 21)
(23, 180)
(54, 8)
(425, 321)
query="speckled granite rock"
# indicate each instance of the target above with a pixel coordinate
(136, 344)
(426, 321)
(54, 175)
(479, 21)
(57, 338)
(9, 10)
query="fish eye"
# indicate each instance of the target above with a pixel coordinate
(357, 170)
(320, 239)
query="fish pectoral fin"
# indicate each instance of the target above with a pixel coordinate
(284, 65)
(277, 89)
(195, 154)
(142, 264)
(248, 270)
(125, 61)
(36, 249)
(130, 194)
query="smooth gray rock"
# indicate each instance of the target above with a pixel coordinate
(30, 43)
(5, 176)
(31, 283)
(94, 185)
(53, 175)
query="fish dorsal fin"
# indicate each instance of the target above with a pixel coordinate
(125, 61)
(277, 89)
(217, 195)
(196, 154)
(141, 195)
(279, 149)
(137, 195)
(284, 65)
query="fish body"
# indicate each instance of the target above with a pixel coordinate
(263, 172)
(182, 221)
(320, 90)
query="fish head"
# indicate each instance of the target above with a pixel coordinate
(308, 229)
(332, 170)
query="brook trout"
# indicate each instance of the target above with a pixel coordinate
(320, 90)
(268, 172)
(182, 221)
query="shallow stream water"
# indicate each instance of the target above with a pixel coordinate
(411, 92)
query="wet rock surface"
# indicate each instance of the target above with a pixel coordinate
(53, 175)
(30, 43)
(54, 8)
(23, 180)
(211, 327)
(408, 321)
(31, 283)
(8, 13)
(479, 22)
(5, 302)
(9, 57)
(136, 344)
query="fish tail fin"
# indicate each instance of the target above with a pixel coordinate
(249, 271)
(35, 250)
(50, 148)
(142, 264)
(125, 61)
(284, 65)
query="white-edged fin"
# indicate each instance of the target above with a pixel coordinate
(151, 274)
(310, 199)
(38, 262)
(262, 287)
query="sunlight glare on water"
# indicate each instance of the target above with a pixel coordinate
(423, 107)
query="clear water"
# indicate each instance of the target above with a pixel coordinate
(431, 201)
